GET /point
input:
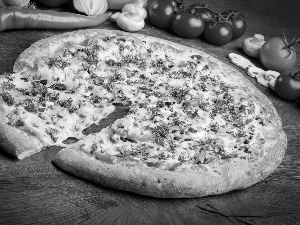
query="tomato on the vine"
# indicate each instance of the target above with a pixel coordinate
(278, 55)
(160, 13)
(217, 32)
(288, 87)
(187, 25)
(237, 22)
(178, 5)
(202, 10)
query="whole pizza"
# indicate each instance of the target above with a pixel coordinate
(140, 114)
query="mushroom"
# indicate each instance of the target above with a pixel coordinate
(252, 45)
(140, 3)
(130, 21)
(142, 12)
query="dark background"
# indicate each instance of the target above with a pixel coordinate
(34, 191)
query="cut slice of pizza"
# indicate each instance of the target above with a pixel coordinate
(36, 114)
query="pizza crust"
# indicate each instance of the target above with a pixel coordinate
(17, 142)
(233, 175)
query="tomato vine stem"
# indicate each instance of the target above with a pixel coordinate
(289, 45)
(201, 6)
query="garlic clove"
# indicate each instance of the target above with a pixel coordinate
(240, 61)
(259, 74)
(254, 71)
(272, 84)
(270, 75)
(260, 78)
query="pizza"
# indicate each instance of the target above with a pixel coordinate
(140, 114)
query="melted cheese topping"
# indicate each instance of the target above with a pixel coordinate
(182, 113)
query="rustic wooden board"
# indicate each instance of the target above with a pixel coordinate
(34, 191)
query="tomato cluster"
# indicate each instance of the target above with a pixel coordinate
(279, 55)
(197, 19)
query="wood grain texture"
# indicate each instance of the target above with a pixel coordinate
(33, 191)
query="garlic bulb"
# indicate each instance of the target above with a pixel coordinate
(15, 3)
(91, 7)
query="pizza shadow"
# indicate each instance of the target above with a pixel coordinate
(7, 155)
(113, 193)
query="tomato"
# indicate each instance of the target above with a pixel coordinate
(160, 13)
(202, 10)
(237, 22)
(276, 54)
(187, 25)
(217, 33)
(287, 87)
(54, 3)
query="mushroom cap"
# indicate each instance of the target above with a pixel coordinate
(142, 12)
(130, 21)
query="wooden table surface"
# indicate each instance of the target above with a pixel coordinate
(34, 191)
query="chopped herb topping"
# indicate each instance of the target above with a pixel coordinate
(7, 98)
(66, 103)
(19, 123)
(125, 151)
(8, 85)
(38, 88)
(53, 96)
(29, 105)
(179, 93)
(8, 76)
(58, 87)
(161, 134)
(91, 54)
(58, 63)
(53, 133)
(113, 63)
(165, 155)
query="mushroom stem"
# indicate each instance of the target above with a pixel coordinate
(257, 39)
